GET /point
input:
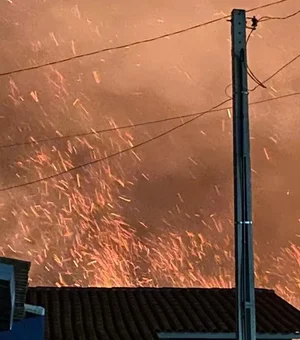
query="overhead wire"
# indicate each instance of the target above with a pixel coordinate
(226, 89)
(270, 4)
(254, 78)
(118, 47)
(277, 71)
(141, 143)
(262, 83)
(123, 127)
(249, 35)
(139, 42)
(253, 27)
(267, 18)
(118, 153)
(249, 72)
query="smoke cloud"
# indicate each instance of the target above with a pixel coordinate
(189, 172)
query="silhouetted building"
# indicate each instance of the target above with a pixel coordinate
(157, 313)
(18, 321)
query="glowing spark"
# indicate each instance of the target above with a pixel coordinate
(180, 197)
(145, 176)
(92, 262)
(78, 180)
(217, 190)
(76, 11)
(57, 260)
(193, 161)
(125, 199)
(143, 224)
(272, 88)
(188, 76)
(135, 155)
(84, 109)
(11, 248)
(266, 154)
(97, 77)
(34, 96)
(273, 140)
(73, 47)
(34, 212)
(58, 133)
(61, 280)
(54, 38)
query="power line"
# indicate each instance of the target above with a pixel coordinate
(112, 155)
(254, 78)
(266, 5)
(249, 72)
(139, 144)
(226, 89)
(82, 134)
(276, 72)
(253, 28)
(249, 35)
(257, 81)
(107, 49)
(151, 122)
(195, 116)
(267, 18)
(119, 47)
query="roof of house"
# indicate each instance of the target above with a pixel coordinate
(139, 313)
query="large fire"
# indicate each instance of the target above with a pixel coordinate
(159, 217)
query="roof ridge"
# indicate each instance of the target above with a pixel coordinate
(257, 289)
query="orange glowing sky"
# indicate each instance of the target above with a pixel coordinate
(161, 215)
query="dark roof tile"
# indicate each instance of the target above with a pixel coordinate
(138, 313)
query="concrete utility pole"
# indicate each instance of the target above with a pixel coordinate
(244, 262)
